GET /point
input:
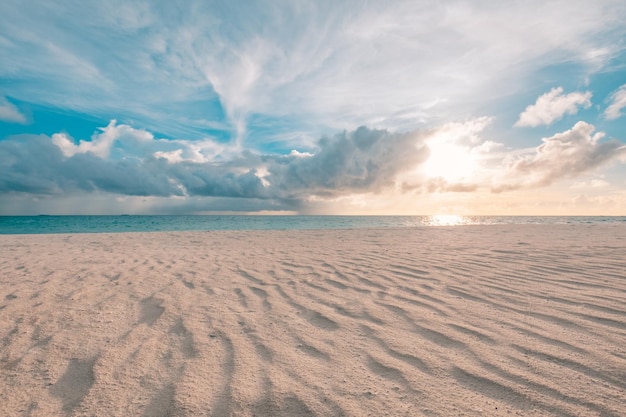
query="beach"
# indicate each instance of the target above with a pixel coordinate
(501, 320)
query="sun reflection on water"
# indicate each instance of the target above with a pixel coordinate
(447, 220)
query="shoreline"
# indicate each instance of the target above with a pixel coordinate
(480, 320)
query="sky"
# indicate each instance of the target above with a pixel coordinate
(313, 107)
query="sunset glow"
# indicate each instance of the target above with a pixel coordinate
(311, 107)
(450, 162)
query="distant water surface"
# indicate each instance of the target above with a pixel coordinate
(117, 224)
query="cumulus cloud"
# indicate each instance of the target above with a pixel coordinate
(618, 102)
(131, 163)
(10, 113)
(363, 160)
(564, 155)
(100, 143)
(35, 165)
(552, 106)
(171, 156)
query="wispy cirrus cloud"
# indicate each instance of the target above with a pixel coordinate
(213, 97)
(552, 106)
(10, 113)
(395, 65)
(617, 103)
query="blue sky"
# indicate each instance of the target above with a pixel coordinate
(354, 107)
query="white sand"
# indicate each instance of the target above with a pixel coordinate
(471, 320)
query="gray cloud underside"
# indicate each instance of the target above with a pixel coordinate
(361, 161)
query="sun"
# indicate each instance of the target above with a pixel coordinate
(449, 161)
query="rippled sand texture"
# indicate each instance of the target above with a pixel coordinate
(472, 320)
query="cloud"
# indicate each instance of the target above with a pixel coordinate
(132, 166)
(35, 165)
(100, 143)
(591, 184)
(171, 156)
(10, 113)
(618, 102)
(123, 141)
(330, 65)
(552, 106)
(361, 161)
(564, 155)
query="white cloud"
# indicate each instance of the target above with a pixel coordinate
(552, 106)
(379, 64)
(116, 160)
(451, 158)
(172, 156)
(454, 155)
(65, 143)
(592, 183)
(369, 163)
(297, 154)
(119, 141)
(10, 113)
(100, 143)
(618, 102)
(564, 155)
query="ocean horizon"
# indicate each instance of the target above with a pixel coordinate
(53, 224)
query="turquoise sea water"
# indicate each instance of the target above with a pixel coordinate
(117, 224)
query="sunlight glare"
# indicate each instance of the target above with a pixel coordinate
(447, 220)
(449, 161)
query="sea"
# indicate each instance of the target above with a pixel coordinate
(158, 223)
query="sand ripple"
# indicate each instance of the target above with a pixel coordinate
(472, 320)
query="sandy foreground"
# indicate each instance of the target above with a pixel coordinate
(435, 321)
